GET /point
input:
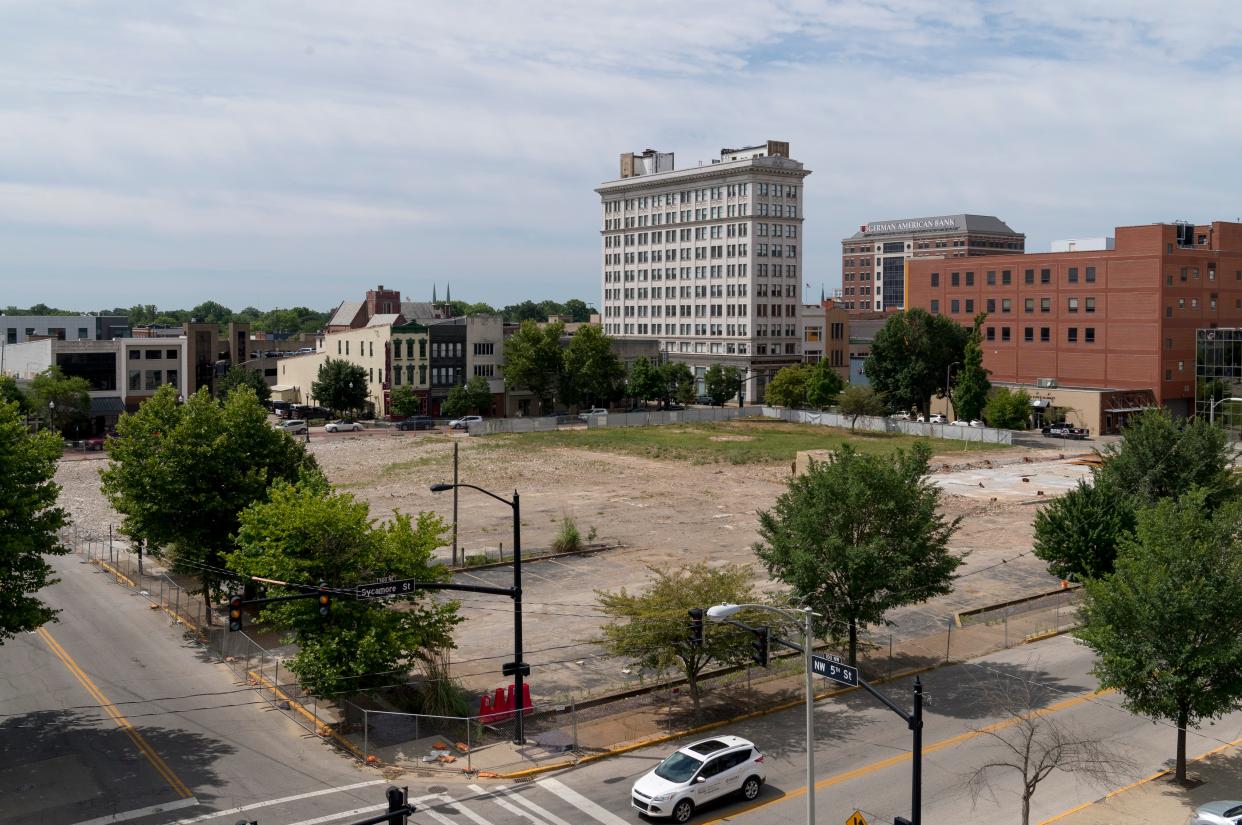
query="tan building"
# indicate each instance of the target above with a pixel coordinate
(1098, 409)
(706, 261)
(367, 347)
(825, 334)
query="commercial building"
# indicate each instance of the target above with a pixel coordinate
(873, 259)
(1120, 322)
(825, 335)
(122, 372)
(707, 261)
(18, 329)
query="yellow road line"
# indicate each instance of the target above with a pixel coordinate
(846, 776)
(1143, 781)
(161, 767)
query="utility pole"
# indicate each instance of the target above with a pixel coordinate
(455, 445)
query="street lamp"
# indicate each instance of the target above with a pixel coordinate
(516, 668)
(722, 612)
(1212, 408)
(948, 377)
(51, 415)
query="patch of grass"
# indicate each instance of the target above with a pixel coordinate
(731, 442)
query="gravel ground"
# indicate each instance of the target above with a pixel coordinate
(660, 512)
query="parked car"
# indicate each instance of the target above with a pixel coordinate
(464, 422)
(902, 416)
(1222, 812)
(294, 426)
(959, 423)
(697, 774)
(304, 411)
(417, 422)
(675, 407)
(342, 426)
(974, 422)
(591, 413)
(1064, 430)
(937, 418)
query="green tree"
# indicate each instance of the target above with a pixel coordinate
(10, 393)
(180, 475)
(405, 401)
(242, 377)
(340, 386)
(652, 628)
(61, 401)
(1159, 457)
(857, 400)
(534, 360)
(823, 385)
(970, 394)
(592, 373)
(307, 534)
(1166, 626)
(676, 383)
(859, 535)
(788, 387)
(211, 312)
(475, 394)
(1078, 533)
(526, 311)
(910, 357)
(1008, 409)
(721, 383)
(578, 310)
(29, 522)
(645, 382)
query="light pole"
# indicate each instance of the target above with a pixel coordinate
(517, 668)
(1212, 408)
(51, 415)
(722, 612)
(948, 377)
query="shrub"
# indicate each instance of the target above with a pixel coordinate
(568, 539)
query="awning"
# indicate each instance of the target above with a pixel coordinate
(281, 387)
(1126, 409)
(1040, 403)
(107, 405)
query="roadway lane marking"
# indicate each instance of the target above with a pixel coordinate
(319, 820)
(187, 802)
(281, 801)
(513, 809)
(161, 767)
(846, 776)
(445, 799)
(543, 812)
(580, 802)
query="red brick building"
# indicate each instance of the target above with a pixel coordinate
(1120, 319)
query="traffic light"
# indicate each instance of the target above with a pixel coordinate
(759, 647)
(398, 811)
(696, 626)
(325, 599)
(235, 613)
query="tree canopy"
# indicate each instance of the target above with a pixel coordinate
(180, 475)
(645, 382)
(533, 360)
(788, 387)
(592, 375)
(1166, 625)
(63, 402)
(652, 627)
(720, 383)
(474, 395)
(241, 377)
(341, 386)
(910, 357)
(1008, 409)
(405, 401)
(1078, 533)
(859, 535)
(29, 522)
(307, 534)
(857, 401)
(970, 393)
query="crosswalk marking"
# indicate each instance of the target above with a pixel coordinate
(580, 802)
(513, 809)
(445, 799)
(319, 820)
(546, 814)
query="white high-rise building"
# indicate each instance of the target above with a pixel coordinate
(707, 260)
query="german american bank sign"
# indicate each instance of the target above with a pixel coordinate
(913, 225)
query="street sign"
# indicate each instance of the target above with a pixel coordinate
(511, 668)
(384, 589)
(856, 819)
(830, 667)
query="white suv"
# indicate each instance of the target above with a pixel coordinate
(294, 426)
(699, 773)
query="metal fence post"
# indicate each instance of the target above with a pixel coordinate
(948, 643)
(1006, 627)
(366, 724)
(573, 718)
(177, 608)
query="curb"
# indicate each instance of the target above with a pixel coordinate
(314, 720)
(657, 740)
(117, 574)
(668, 737)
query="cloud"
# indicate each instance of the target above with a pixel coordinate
(396, 140)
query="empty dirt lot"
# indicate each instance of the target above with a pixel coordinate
(660, 511)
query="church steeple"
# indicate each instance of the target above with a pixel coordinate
(448, 293)
(433, 294)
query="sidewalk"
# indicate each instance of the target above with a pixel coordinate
(1156, 800)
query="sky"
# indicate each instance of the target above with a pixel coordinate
(299, 153)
